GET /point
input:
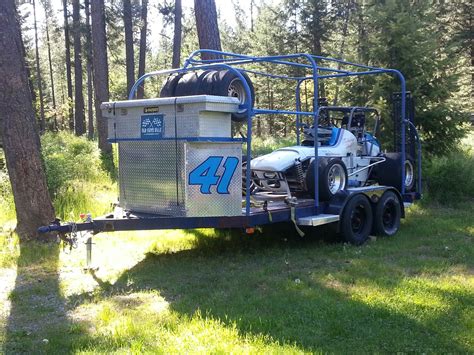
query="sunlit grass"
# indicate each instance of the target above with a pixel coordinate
(206, 291)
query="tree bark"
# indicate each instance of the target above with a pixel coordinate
(79, 117)
(100, 70)
(207, 27)
(178, 14)
(129, 55)
(38, 73)
(20, 136)
(345, 30)
(90, 92)
(142, 54)
(51, 78)
(67, 43)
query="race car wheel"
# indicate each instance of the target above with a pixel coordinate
(356, 220)
(227, 83)
(188, 85)
(168, 89)
(389, 172)
(253, 187)
(211, 82)
(387, 215)
(332, 178)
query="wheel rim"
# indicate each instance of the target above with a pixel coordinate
(389, 215)
(237, 89)
(409, 174)
(336, 178)
(358, 219)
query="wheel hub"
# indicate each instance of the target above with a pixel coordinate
(358, 219)
(336, 179)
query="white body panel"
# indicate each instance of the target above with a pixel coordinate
(356, 156)
(284, 158)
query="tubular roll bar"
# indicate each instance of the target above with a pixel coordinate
(226, 60)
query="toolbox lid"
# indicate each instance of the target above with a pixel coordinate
(231, 104)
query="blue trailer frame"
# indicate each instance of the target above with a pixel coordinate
(252, 217)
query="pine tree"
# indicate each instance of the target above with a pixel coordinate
(20, 136)
(207, 27)
(129, 55)
(79, 117)
(143, 46)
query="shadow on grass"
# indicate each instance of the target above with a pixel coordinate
(37, 311)
(291, 290)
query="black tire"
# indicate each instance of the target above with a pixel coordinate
(188, 85)
(326, 168)
(227, 83)
(356, 220)
(389, 173)
(244, 178)
(168, 89)
(210, 82)
(207, 80)
(387, 215)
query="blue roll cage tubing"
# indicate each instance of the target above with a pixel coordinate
(226, 60)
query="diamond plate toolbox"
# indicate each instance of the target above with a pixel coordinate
(213, 184)
(171, 117)
(178, 178)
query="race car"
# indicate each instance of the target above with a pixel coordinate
(350, 155)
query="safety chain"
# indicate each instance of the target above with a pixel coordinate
(74, 237)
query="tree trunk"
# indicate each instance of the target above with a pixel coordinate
(251, 15)
(207, 27)
(345, 30)
(67, 43)
(142, 54)
(178, 14)
(316, 34)
(38, 73)
(51, 78)
(20, 136)
(79, 117)
(101, 70)
(129, 55)
(90, 102)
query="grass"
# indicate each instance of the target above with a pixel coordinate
(206, 291)
(216, 291)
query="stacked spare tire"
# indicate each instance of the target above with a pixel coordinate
(212, 82)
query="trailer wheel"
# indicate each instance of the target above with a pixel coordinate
(389, 172)
(332, 178)
(227, 83)
(387, 215)
(356, 220)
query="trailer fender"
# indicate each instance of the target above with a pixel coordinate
(373, 193)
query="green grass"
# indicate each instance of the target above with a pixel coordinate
(208, 291)
(224, 292)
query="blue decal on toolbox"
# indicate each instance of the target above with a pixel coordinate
(152, 126)
(230, 165)
(205, 174)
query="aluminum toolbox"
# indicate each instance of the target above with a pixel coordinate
(161, 142)
(171, 117)
(154, 178)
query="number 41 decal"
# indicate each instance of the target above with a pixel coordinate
(205, 174)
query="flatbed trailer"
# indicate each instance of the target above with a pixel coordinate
(260, 209)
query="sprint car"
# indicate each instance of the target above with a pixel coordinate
(350, 155)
